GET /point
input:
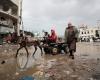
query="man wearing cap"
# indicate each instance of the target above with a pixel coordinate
(71, 36)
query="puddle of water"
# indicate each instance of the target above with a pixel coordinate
(32, 61)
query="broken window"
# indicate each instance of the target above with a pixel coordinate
(5, 7)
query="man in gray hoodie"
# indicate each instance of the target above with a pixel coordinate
(71, 37)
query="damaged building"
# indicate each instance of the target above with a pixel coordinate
(9, 16)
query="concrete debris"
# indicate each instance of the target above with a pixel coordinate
(67, 72)
(3, 62)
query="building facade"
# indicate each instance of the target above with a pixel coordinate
(89, 33)
(9, 16)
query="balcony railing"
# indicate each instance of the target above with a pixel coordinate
(9, 13)
(4, 23)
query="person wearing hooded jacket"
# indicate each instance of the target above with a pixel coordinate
(71, 37)
(53, 37)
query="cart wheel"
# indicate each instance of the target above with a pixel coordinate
(54, 51)
(46, 50)
(22, 58)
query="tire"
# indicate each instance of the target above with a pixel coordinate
(54, 50)
(22, 58)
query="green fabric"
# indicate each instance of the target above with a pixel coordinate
(3, 33)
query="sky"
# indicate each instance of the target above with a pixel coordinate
(45, 15)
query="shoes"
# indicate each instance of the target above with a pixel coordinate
(71, 56)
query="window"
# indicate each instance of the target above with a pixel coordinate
(88, 32)
(97, 33)
(5, 7)
(91, 31)
(2, 18)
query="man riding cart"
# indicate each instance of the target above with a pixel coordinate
(51, 45)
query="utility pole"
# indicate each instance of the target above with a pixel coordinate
(20, 23)
(21, 3)
(98, 24)
(18, 28)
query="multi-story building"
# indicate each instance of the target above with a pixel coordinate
(9, 16)
(89, 33)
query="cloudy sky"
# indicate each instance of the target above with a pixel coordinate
(41, 15)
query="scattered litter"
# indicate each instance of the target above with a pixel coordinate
(27, 78)
(16, 73)
(3, 62)
(67, 72)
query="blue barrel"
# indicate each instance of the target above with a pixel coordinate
(27, 78)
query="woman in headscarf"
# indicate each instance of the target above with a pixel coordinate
(53, 37)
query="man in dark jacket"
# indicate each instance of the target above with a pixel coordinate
(71, 36)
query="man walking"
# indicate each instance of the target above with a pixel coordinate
(71, 36)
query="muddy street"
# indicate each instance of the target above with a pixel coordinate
(9, 69)
(85, 66)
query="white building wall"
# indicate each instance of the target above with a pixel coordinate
(87, 33)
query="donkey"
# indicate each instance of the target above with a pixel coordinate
(23, 42)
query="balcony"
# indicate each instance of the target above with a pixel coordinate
(9, 9)
(4, 23)
(7, 23)
(8, 14)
